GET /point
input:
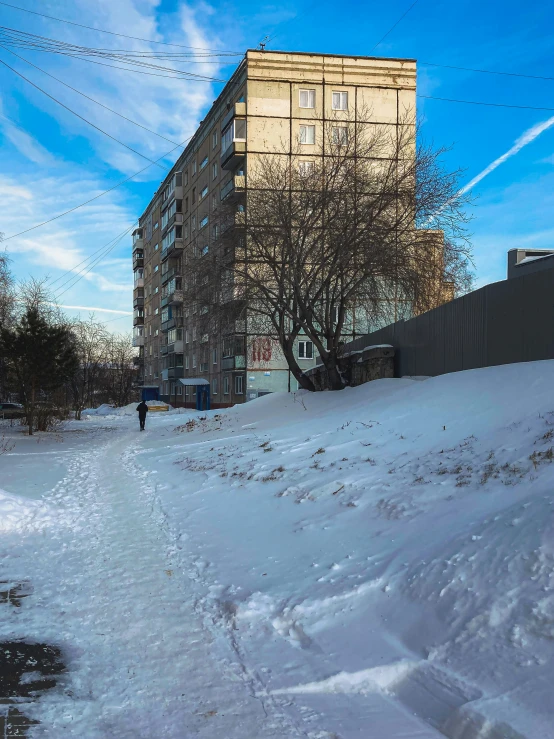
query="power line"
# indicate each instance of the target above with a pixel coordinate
(82, 117)
(84, 261)
(105, 192)
(487, 71)
(22, 39)
(82, 273)
(88, 97)
(476, 102)
(391, 29)
(112, 33)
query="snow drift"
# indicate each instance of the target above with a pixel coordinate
(422, 550)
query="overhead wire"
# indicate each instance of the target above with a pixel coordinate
(391, 29)
(21, 39)
(82, 273)
(487, 71)
(84, 261)
(88, 97)
(111, 33)
(477, 102)
(90, 123)
(105, 192)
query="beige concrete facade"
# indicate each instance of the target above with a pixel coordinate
(261, 110)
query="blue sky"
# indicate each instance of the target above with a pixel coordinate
(51, 161)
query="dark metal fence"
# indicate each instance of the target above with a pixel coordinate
(505, 322)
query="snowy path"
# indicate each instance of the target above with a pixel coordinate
(144, 663)
(149, 656)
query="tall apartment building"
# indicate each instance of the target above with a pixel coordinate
(273, 102)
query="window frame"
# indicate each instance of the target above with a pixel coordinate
(311, 98)
(304, 139)
(304, 344)
(342, 94)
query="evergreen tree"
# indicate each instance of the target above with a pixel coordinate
(41, 357)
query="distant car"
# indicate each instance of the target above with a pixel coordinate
(11, 410)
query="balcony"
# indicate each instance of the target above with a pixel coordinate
(173, 251)
(176, 218)
(174, 322)
(139, 282)
(138, 261)
(236, 186)
(175, 348)
(137, 239)
(238, 109)
(233, 363)
(174, 373)
(174, 298)
(138, 361)
(168, 274)
(138, 340)
(138, 320)
(138, 302)
(233, 155)
(163, 349)
(165, 374)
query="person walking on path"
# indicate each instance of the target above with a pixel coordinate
(142, 409)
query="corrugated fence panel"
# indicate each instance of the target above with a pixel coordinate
(509, 321)
(505, 325)
(537, 315)
(473, 330)
(453, 345)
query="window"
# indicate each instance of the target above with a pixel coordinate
(305, 168)
(307, 99)
(185, 178)
(156, 225)
(156, 247)
(203, 192)
(214, 356)
(156, 268)
(193, 223)
(193, 361)
(305, 350)
(307, 135)
(204, 163)
(186, 205)
(214, 139)
(204, 222)
(340, 101)
(214, 170)
(214, 200)
(179, 389)
(194, 195)
(239, 385)
(204, 250)
(214, 386)
(339, 135)
(235, 131)
(186, 361)
(194, 167)
(226, 385)
(215, 231)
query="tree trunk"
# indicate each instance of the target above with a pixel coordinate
(31, 410)
(304, 382)
(334, 376)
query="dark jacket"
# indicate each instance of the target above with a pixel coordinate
(142, 409)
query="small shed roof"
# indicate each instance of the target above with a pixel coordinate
(194, 381)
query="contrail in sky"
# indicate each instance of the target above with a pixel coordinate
(525, 138)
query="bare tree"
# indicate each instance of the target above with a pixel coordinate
(368, 230)
(120, 371)
(92, 342)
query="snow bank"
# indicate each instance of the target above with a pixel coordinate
(436, 496)
(18, 514)
(127, 410)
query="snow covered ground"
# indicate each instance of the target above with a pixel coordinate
(371, 564)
